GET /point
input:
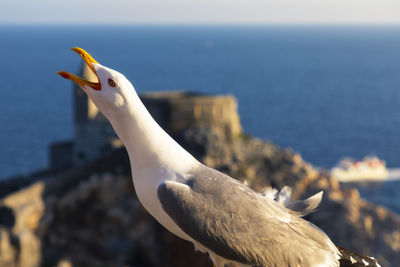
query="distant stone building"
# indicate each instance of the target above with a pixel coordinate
(177, 110)
(173, 110)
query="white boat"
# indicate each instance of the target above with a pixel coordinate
(368, 169)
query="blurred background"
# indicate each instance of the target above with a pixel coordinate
(320, 78)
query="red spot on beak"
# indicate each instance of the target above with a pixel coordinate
(64, 74)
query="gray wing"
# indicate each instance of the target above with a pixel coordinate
(238, 224)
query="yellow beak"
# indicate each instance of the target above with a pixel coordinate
(89, 60)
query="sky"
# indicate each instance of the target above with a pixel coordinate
(200, 11)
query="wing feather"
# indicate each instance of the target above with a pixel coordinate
(239, 224)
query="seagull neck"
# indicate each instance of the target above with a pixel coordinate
(148, 145)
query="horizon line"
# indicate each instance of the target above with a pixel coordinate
(216, 24)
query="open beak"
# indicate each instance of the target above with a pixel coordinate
(82, 82)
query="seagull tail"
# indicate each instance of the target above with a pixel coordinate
(350, 258)
(300, 207)
(304, 207)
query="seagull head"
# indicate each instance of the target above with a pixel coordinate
(110, 93)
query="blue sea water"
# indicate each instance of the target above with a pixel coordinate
(324, 91)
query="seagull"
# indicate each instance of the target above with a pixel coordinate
(218, 214)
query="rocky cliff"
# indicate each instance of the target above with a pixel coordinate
(90, 216)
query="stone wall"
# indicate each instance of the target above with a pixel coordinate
(181, 110)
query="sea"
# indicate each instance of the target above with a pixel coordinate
(327, 92)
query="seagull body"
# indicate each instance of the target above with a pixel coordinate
(217, 213)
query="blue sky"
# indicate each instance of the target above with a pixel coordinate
(200, 11)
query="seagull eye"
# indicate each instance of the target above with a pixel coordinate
(111, 83)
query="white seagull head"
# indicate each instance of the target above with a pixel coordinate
(112, 91)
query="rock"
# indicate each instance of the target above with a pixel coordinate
(64, 263)
(8, 252)
(27, 207)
